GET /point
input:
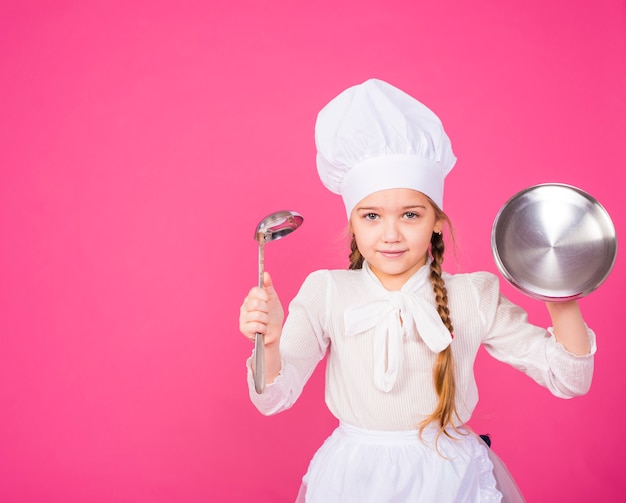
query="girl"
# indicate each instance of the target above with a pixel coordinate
(400, 334)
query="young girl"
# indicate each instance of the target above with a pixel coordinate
(400, 334)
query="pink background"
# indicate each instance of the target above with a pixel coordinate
(142, 141)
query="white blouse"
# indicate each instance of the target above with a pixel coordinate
(382, 346)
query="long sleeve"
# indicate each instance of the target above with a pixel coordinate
(530, 349)
(303, 344)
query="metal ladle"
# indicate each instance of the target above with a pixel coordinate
(271, 228)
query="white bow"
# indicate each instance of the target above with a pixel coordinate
(397, 315)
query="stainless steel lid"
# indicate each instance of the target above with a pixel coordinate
(554, 242)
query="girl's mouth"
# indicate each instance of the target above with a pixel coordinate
(391, 253)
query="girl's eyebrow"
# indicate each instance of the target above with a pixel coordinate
(403, 208)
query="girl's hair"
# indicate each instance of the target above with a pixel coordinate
(443, 370)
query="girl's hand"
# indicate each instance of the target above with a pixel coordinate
(262, 312)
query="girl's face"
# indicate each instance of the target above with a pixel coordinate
(392, 229)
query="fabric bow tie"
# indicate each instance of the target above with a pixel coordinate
(396, 315)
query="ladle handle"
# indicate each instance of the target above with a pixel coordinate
(259, 342)
(259, 363)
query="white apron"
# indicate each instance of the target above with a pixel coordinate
(364, 466)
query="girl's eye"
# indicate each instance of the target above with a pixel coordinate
(370, 216)
(411, 214)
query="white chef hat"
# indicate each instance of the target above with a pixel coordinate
(373, 137)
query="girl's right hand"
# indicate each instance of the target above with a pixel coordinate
(262, 312)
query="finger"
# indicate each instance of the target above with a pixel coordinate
(251, 306)
(257, 293)
(255, 317)
(250, 329)
(251, 321)
(255, 328)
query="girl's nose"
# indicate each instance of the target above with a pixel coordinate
(390, 232)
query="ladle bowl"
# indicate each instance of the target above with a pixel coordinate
(274, 226)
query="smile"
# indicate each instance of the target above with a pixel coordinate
(392, 253)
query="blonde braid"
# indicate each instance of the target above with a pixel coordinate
(443, 371)
(439, 287)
